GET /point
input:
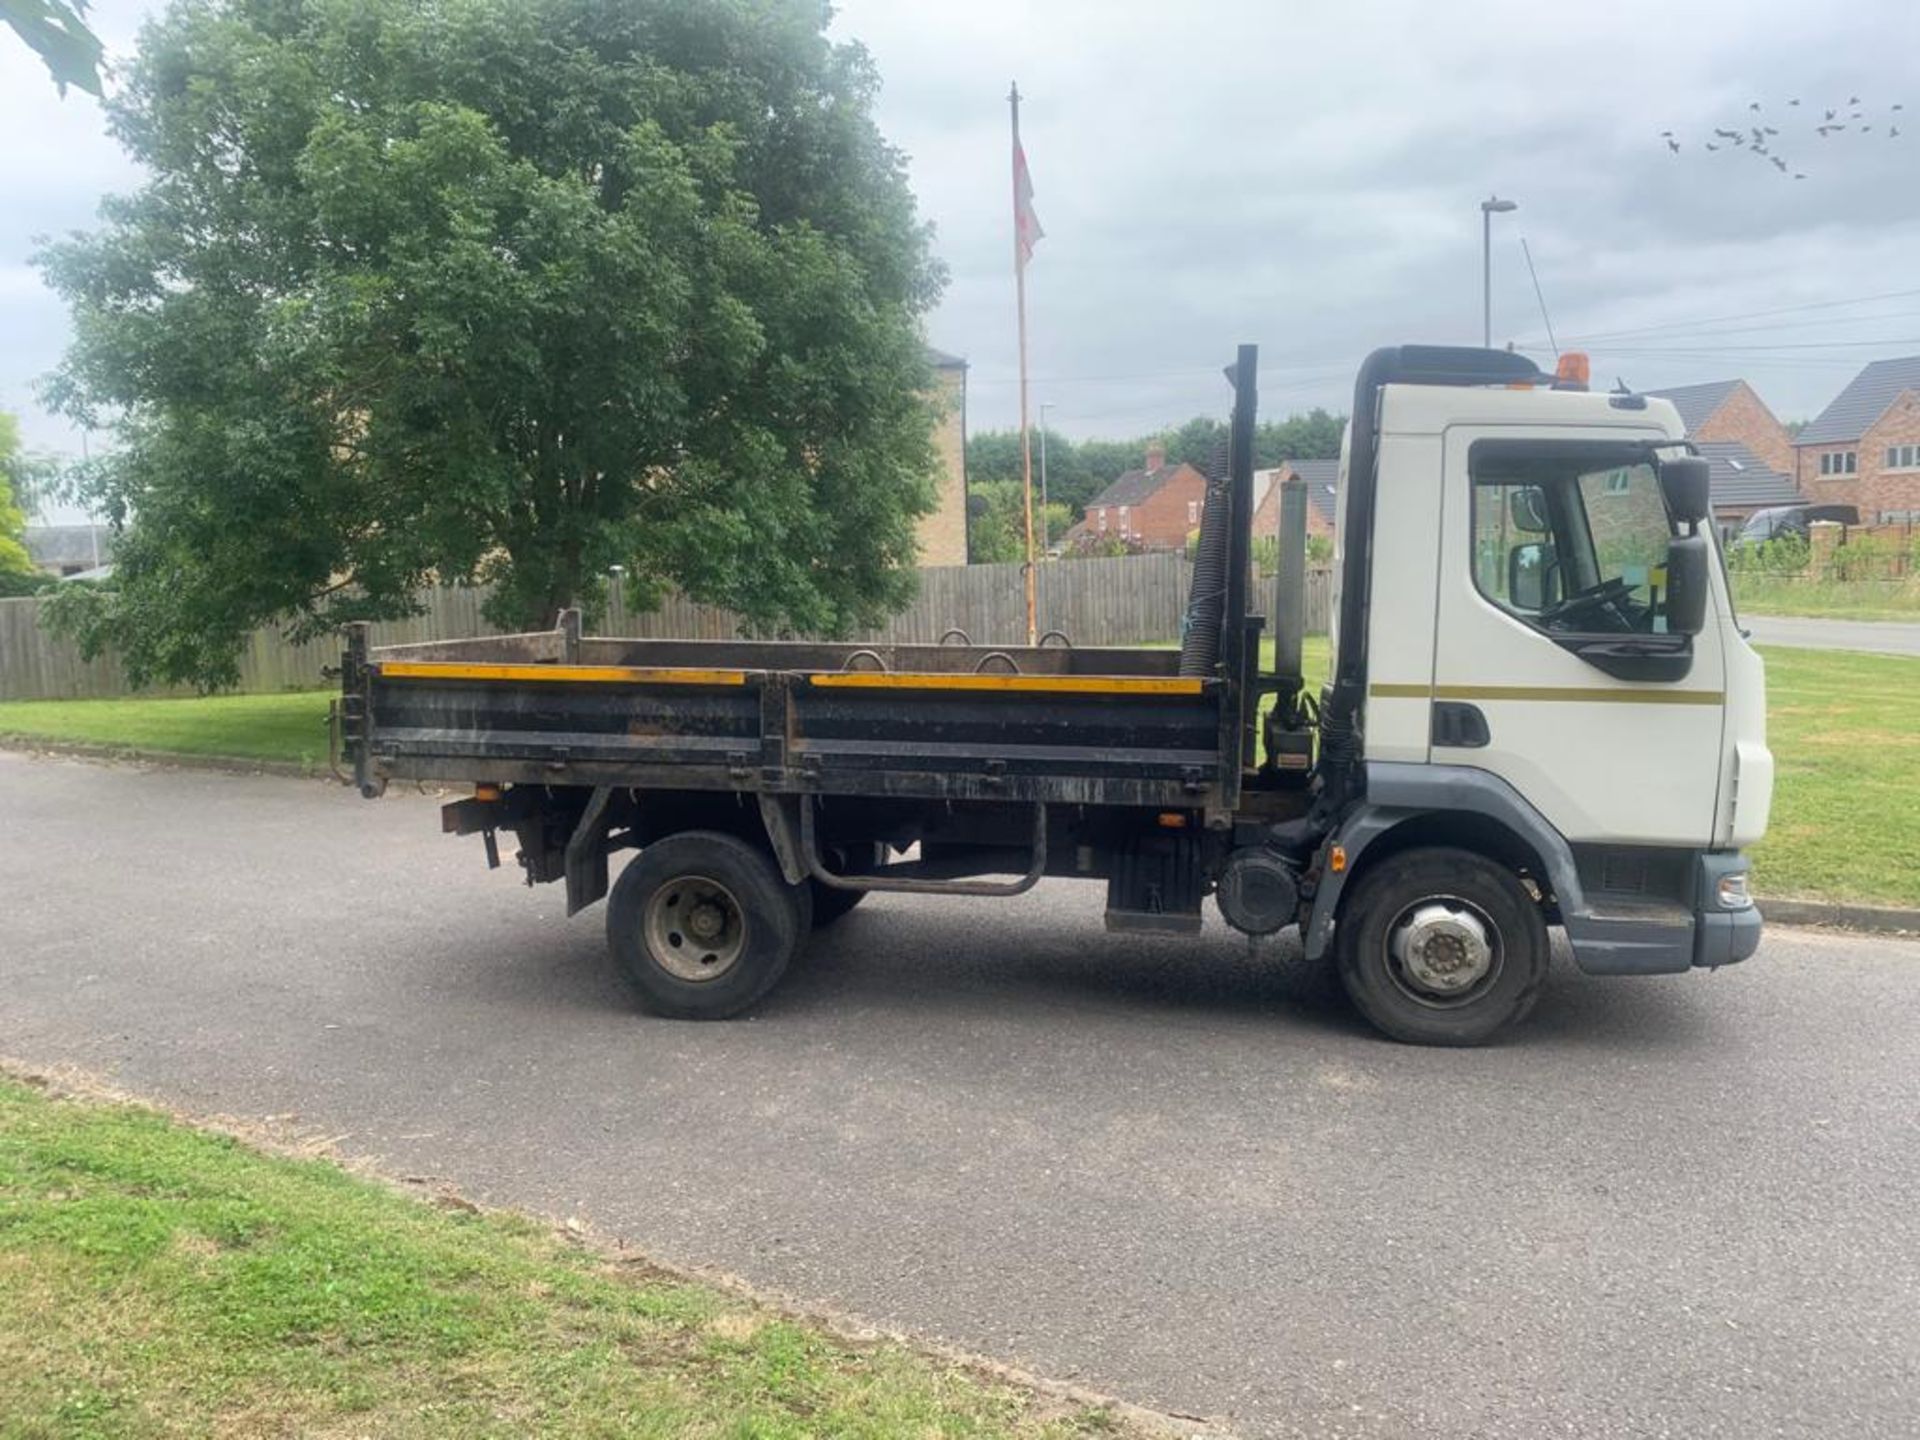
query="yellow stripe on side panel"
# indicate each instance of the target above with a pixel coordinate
(1598, 694)
(574, 674)
(1044, 684)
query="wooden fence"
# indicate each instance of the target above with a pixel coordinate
(1128, 600)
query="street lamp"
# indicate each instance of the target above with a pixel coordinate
(1047, 536)
(1489, 207)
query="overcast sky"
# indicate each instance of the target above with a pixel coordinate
(1307, 176)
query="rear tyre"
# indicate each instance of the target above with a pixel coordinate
(1441, 947)
(704, 925)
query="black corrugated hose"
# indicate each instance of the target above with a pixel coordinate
(1207, 595)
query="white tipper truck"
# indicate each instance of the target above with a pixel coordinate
(1541, 710)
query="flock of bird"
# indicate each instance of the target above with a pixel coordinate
(1760, 138)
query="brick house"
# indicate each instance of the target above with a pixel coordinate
(1740, 482)
(1154, 508)
(942, 531)
(1864, 448)
(1729, 412)
(1320, 477)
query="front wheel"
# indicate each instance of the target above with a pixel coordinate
(704, 925)
(1441, 947)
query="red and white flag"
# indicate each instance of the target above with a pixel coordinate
(1026, 224)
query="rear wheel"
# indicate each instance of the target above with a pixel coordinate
(704, 925)
(1441, 947)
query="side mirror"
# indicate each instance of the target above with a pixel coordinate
(1528, 507)
(1685, 479)
(1531, 575)
(1689, 566)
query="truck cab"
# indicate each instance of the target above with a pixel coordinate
(1540, 651)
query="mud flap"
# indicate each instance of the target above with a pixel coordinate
(587, 853)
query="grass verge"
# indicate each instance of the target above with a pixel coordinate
(159, 1280)
(1844, 728)
(1762, 594)
(288, 727)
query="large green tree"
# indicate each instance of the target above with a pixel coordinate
(509, 290)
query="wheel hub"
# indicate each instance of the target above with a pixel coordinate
(1443, 949)
(706, 921)
(694, 928)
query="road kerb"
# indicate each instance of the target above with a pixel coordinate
(1841, 915)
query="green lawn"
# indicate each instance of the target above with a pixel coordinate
(1844, 728)
(157, 1280)
(1762, 594)
(286, 727)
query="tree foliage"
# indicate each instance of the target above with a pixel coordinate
(56, 31)
(15, 562)
(506, 290)
(1078, 472)
(997, 522)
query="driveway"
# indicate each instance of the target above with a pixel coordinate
(1681, 1206)
(1807, 633)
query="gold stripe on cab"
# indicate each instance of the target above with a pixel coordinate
(1599, 694)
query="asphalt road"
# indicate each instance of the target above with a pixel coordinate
(1809, 633)
(1674, 1207)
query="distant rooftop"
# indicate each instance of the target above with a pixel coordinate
(1135, 486)
(1696, 403)
(1320, 477)
(942, 360)
(61, 547)
(1739, 477)
(1864, 401)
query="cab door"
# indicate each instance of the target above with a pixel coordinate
(1553, 666)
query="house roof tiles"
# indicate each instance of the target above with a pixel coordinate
(1866, 398)
(1738, 477)
(1696, 403)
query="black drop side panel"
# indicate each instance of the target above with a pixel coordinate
(560, 721)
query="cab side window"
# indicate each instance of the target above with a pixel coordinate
(1515, 563)
(1570, 538)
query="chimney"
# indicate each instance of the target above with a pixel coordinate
(1156, 456)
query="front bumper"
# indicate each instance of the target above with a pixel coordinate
(1720, 935)
(1720, 938)
(1708, 933)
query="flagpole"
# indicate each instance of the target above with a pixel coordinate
(1026, 439)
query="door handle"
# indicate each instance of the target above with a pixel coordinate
(1459, 726)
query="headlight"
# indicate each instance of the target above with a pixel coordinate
(1732, 892)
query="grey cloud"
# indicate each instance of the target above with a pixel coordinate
(1308, 176)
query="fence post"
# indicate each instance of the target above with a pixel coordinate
(1823, 539)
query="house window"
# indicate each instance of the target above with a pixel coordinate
(1903, 457)
(1103, 519)
(1193, 512)
(1123, 521)
(1839, 462)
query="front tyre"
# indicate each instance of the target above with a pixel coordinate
(1441, 947)
(704, 925)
